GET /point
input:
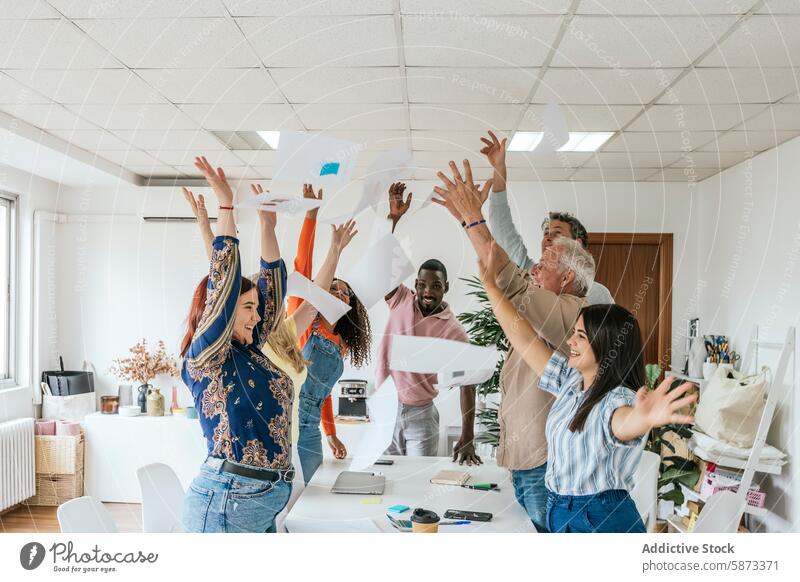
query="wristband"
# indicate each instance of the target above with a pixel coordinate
(226, 207)
(463, 224)
(476, 223)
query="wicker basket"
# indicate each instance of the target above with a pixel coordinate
(59, 455)
(56, 489)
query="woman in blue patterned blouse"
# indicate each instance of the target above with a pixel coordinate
(243, 399)
(601, 414)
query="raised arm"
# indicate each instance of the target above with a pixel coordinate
(652, 408)
(519, 332)
(305, 249)
(200, 212)
(397, 208)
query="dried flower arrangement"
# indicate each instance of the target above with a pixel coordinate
(143, 366)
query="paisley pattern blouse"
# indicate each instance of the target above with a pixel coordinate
(244, 401)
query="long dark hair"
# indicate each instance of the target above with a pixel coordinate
(616, 341)
(197, 308)
(354, 329)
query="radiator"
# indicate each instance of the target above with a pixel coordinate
(17, 462)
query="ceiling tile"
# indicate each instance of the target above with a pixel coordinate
(131, 157)
(134, 9)
(694, 117)
(233, 117)
(159, 116)
(153, 170)
(325, 116)
(554, 160)
(632, 160)
(46, 116)
(711, 159)
(779, 7)
(464, 117)
(257, 158)
(498, 41)
(663, 7)
(748, 141)
(778, 117)
(761, 41)
(540, 175)
(669, 141)
(467, 142)
(795, 98)
(469, 85)
(92, 140)
(720, 85)
(611, 174)
(89, 86)
(186, 158)
(307, 7)
(340, 85)
(49, 44)
(583, 117)
(28, 10)
(603, 86)
(380, 140)
(638, 41)
(439, 159)
(312, 41)
(251, 85)
(461, 8)
(197, 140)
(12, 91)
(168, 43)
(687, 175)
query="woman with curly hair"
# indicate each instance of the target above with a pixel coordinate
(325, 347)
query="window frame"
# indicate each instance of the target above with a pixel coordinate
(12, 204)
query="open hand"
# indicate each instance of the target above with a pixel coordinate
(659, 407)
(308, 192)
(197, 205)
(343, 234)
(464, 452)
(462, 193)
(397, 207)
(494, 150)
(217, 180)
(267, 218)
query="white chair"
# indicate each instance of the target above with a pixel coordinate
(162, 498)
(85, 515)
(645, 489)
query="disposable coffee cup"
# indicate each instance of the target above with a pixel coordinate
(424, 521)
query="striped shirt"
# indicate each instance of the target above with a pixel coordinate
(591, 460)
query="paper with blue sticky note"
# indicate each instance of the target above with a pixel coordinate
(315, 158)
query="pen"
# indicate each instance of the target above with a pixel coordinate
(462, 522)
(482, 486)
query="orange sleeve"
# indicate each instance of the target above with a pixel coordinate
(326, 417)
(302, 262)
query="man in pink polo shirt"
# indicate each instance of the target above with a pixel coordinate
(424, 313)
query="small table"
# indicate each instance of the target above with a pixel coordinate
(407, 483)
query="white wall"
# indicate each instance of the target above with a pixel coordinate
(125, 279)
(749, 262)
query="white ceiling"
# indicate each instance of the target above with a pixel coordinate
(687, 85)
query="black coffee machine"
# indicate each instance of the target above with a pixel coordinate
(353, 400)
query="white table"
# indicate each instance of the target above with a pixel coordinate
(407, 483)
(118, 445)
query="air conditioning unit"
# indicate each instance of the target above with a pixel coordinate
(167, 204)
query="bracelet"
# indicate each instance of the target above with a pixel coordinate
(226, 207)
(476, 223)
(463, 224)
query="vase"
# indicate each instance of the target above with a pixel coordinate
(174, 404)
(141, 400)
(155, 402)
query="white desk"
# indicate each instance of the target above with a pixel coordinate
(408, 483)
(118, 445)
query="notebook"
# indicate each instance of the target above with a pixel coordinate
(456, 478)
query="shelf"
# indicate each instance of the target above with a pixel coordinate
(692, 495)
(734, 463)
(682, 376)
(676, 522)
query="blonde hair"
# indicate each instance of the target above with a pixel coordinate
(283, 342)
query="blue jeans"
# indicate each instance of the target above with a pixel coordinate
(222, 502)
(324, 369)
(532, 494)
(610, 511)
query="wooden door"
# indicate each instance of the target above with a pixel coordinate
(637, 269)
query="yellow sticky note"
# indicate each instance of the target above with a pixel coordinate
(371, 500)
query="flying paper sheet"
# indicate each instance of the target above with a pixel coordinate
(449, 378)
(315, 158)
(377, 437)
(382, 268)
(430, 355)
(329, 306)
(555, 132)
(280, 204)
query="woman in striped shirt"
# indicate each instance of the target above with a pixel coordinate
(602, 413)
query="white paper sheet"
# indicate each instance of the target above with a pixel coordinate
(555, 132)
(317, 525)
(387, 168)
(430, 355)
(450, 378)
(280, 204)
(382, 409)
(329, 306)
(315, 158)
(382, 268)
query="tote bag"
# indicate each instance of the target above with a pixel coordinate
(65, 404)
(730, 408)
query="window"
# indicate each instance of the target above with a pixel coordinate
(7, 271)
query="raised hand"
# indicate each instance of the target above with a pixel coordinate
(462, 193)
(198, 206)
(217, 180)
(397, 207)
(659, 407)
(308, 192)
(268, 219)
(494, 150)
(343, 234)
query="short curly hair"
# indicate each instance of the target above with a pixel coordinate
(576, 230)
